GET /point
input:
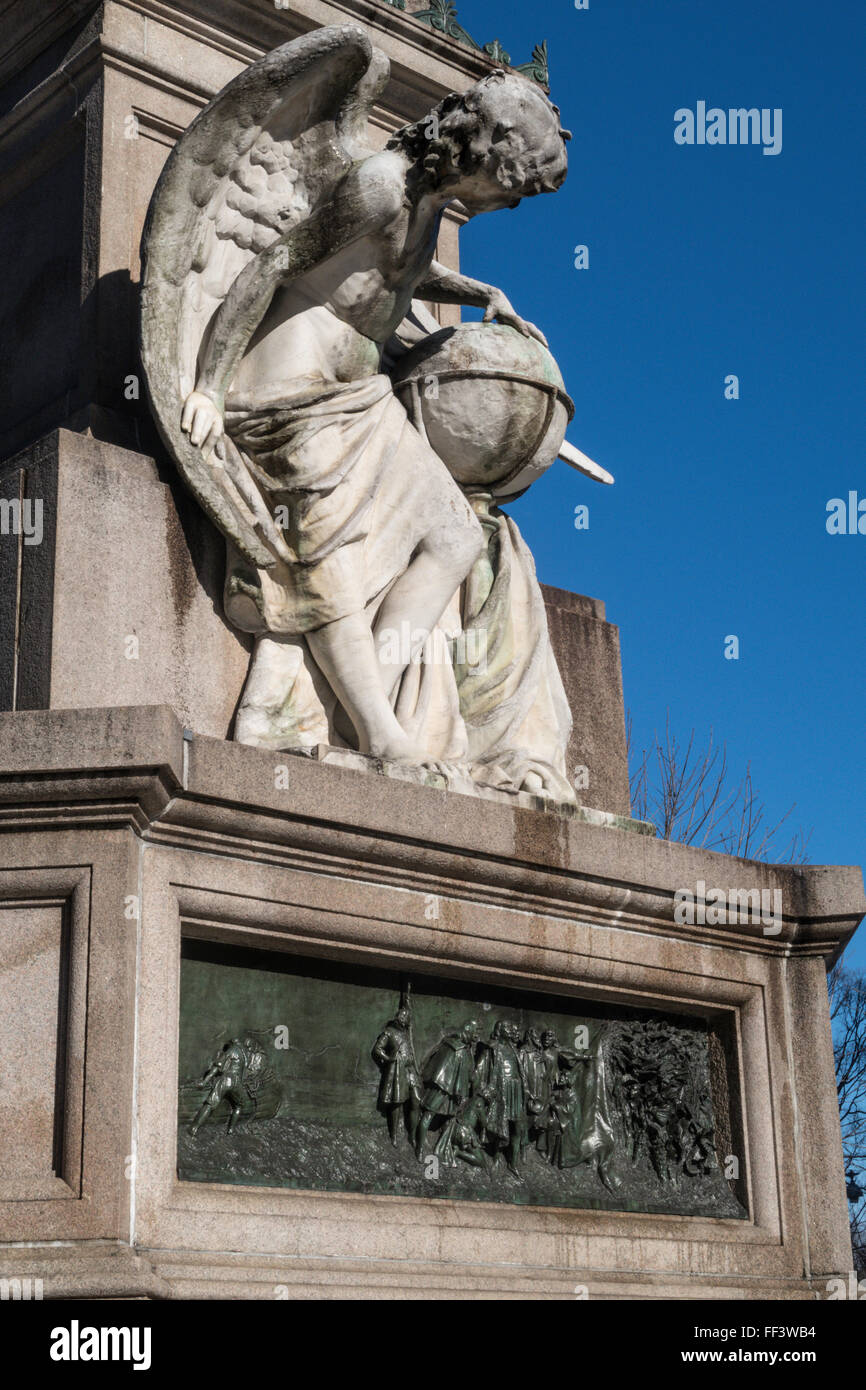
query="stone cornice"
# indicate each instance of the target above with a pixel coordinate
(64, 769)
(425, 64)
(244, 28)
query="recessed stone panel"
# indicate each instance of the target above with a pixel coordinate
(32, 1047)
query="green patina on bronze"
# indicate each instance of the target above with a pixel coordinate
(285, 1080)
(441, 15)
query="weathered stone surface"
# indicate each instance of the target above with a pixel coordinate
(118, 835)
(128, 116)
(121, 604)
(92, 99)
(586, 647)
(363, 543)
(319, 866)
(69, 613)
(33, 971)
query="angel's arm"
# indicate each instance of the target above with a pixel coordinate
(443, 286)
(351, 215)
(320, 237)
(239, 316)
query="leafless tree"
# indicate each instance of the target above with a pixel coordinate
(686, 790)
(848, 1015)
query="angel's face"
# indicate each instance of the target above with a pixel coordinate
(521, 147)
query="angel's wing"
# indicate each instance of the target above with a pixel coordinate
(255, 162)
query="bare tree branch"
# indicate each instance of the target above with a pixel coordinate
(848, 1016)
(686, 792)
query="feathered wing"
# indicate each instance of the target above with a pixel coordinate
(255, 162)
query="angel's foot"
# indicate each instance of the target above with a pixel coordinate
(452, 772)
(395, 747)
(533, 782)
(543, 781)
(518, 771)
(403, 750)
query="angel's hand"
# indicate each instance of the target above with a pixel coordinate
(203, 421)
(500, 307)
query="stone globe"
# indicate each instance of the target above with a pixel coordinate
(490, 401)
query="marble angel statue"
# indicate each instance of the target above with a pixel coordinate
(282, 256)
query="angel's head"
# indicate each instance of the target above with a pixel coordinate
(490, 146)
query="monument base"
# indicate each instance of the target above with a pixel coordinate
(139, 619)
(124, 838)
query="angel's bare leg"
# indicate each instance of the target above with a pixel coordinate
(417, 600)
(345, 652)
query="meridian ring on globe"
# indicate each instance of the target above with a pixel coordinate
(490, 401)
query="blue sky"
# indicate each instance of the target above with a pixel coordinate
(705, 261)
